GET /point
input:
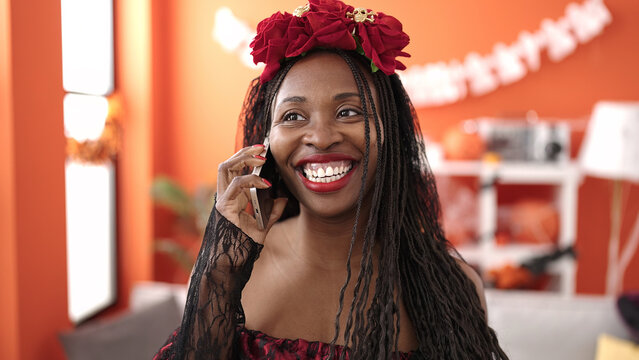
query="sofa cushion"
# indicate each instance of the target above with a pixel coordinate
(146, 293)
(135, 335)
(536, 325)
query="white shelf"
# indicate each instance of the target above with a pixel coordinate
(508, 172)
(491, 255)
(487, 254)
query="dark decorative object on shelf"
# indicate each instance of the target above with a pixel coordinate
(531, 274)
(628, 305)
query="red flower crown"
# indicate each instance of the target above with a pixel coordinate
(329, 24)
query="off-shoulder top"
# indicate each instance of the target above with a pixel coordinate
(212, 324)
(254, 345)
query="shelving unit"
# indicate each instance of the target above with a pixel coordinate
(486, 253)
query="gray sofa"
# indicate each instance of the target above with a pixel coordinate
(530, 325)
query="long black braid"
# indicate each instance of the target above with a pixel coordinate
(415, 262)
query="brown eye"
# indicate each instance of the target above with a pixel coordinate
(292, 117)
(347, 113)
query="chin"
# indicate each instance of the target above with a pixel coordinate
(337, 212)
(339, 207)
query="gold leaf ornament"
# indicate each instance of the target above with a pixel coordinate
(301, 10)
(361, 15)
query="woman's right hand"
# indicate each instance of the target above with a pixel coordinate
(233, 194)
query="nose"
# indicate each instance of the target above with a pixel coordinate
(323, 133)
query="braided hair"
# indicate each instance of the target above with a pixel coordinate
(415, 262)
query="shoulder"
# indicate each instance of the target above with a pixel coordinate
(476, 279)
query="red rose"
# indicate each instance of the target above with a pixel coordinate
(270, 43)
(383, 41)
(269, 32)
(299, 37)
(327, 25)
(322, 30)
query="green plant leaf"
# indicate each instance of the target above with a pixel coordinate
(360, 49)
(167, 192)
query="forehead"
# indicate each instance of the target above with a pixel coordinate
(317, 76)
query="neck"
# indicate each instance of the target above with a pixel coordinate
(325, 242)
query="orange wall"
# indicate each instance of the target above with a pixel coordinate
(133, 81)
(8, 268)
(203, 88)
(33, 299)
(33, 305)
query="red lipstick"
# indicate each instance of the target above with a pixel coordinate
(326, 187)
(322, 187)
(332, 186)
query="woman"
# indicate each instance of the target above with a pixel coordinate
(353, 262)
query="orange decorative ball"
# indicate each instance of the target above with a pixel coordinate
(534, 222)
(459, 144)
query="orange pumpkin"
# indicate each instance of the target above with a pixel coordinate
(459, 144)
(534, 221)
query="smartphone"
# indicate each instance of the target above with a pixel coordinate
(262, 199)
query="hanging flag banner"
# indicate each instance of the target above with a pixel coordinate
(443, 83)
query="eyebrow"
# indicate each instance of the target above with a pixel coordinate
(347, 95)
(295, 99)
(301, 99)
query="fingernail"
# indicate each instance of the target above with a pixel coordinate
(267, 182)
(259, 157)
(260, 145)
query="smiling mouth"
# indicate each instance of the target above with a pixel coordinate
(326, 172)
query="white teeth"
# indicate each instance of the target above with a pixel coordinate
(322, 173)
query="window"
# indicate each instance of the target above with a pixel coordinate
(87, 71)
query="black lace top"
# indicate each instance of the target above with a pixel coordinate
(212, 325)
